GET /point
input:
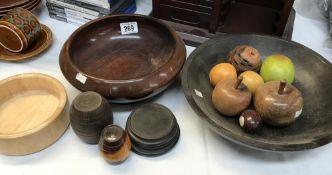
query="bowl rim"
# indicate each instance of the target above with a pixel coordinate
(60, 108)
(73, 35)
(70, 70)
(228, 134)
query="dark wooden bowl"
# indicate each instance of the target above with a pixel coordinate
(313, 78)
(124, 68)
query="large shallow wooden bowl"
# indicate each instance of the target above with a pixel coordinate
(33, 113)
(123, 67)
(312, 77)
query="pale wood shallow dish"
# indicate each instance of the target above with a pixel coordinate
(33, 113)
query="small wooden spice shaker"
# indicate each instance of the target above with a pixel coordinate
(89, 114)
(114, 144)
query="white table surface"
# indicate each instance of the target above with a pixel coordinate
(199, 151)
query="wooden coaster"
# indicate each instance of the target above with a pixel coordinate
(153, 130)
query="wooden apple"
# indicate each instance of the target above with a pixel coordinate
(231, 97)
(278, 103)
(278, 67)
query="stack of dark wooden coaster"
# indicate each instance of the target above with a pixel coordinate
(153, 130)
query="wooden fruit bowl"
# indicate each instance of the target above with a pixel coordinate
(312, 77)
(123, 67)
(33, 113)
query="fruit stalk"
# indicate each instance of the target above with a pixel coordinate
(282, 87)
(238, 83)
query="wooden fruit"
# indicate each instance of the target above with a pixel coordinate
(278, 67)
(33, 113)
(278, 103)
(221, 72)
(245, 58)
(250, 121)
(252, 80)
(231, 97)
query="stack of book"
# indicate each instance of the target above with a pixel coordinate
(82, 11)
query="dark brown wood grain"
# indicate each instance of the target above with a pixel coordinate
(274, 4)
(223, 16)
(7, 4)
(118, 66)
(89, 114)
(284, 15)
(277, 103)
(114, 144)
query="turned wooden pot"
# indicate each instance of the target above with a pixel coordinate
(90, 113)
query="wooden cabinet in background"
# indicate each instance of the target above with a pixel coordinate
(198, 20)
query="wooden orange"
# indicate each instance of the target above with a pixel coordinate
(221, 72)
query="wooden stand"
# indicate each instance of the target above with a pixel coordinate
(196, 21)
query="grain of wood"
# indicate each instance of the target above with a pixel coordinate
(33, 113)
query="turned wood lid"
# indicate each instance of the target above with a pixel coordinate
(87, 102)
(112, 138)
(151, 122)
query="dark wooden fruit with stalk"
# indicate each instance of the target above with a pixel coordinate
(278, 103)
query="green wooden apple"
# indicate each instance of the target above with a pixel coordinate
(278, 67)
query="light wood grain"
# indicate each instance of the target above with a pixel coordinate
(33, 113)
